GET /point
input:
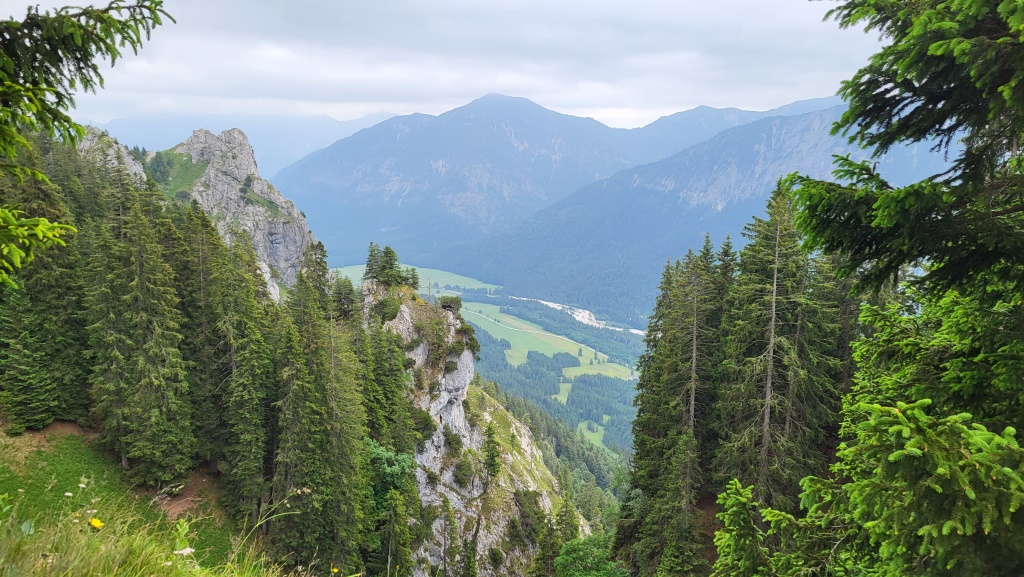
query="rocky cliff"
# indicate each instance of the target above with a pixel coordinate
(490, 512)
(103, 149)
(232, 192)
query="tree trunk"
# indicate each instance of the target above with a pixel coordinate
(770, 357)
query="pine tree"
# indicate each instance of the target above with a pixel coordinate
(492, 454)
(449, 537)
(45, 313)
(138, 378)
(777, 400)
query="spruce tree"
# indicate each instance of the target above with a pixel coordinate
(28, 397)
(776, 401)
(45, 314)
(138, 377)
(449, 537)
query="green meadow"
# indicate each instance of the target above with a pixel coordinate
(428, 276)
(525, 336)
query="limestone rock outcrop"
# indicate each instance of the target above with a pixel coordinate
(484, 509)
(232, 192)
(104, 149)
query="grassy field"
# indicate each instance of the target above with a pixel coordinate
(563, 392)
(596, 438)
(427, 275)
(525, 336)
(62, 472)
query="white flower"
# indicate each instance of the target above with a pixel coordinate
(185, 551)
(81, 485)
(68, 495)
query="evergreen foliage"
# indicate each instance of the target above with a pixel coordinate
(927, 480)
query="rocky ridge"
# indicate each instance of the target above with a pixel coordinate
(483, 510)
(232, 192)
(104, 149)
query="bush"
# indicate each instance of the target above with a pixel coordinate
(452, 303)
(452, 441)
(424, 424)
(496, 557)
(386, 309)
(463, 472)
(450, 366)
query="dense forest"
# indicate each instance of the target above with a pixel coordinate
(865, 426)
(153, 330)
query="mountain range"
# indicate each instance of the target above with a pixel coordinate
(425, 183)
(560, 207)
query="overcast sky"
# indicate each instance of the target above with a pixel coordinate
(623, 62)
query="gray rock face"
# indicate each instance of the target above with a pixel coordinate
(104, 149)
(485, 511)
(233, 194)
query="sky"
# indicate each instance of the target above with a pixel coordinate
(625, 63)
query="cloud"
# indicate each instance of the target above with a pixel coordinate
(623, 63)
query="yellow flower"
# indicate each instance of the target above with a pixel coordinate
(334, 569)
(96, 523)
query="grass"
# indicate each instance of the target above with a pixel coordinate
(38, 474)
(595, 438)
(526, 336)
(184, 172)
(427, 276)
(563, 393)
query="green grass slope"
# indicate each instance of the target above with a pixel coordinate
(525, 336)
(56, 483)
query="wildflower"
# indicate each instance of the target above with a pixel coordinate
(21, 490)
(334, 569)
(91, 511)
(96, 523)
(168, 563)
(69, 495)
(74, 520)
(81, 485)
(185, 551)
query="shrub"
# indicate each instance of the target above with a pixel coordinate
(450, 303)
(496, 557)
(386, 309)
(462, 473)
(452, 441)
